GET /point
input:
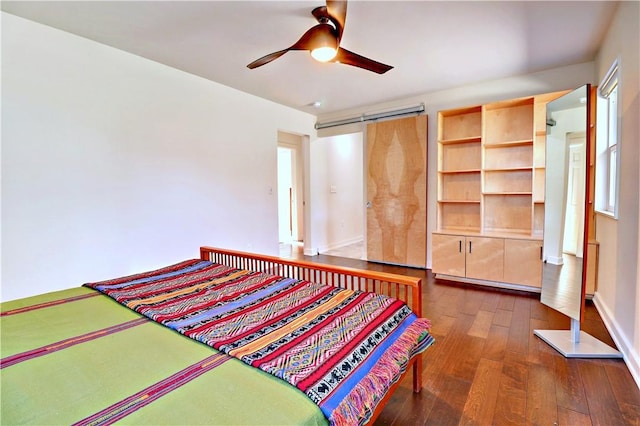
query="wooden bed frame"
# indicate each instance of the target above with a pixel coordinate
(405, 288)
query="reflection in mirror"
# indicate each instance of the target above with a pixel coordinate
(563, 282)
(566, 161)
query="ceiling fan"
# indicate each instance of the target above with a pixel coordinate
(323, 41)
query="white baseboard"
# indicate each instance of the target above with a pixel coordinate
(496, 284)
(311, 252)
(630, 356)
(555, 260)
(340, 244)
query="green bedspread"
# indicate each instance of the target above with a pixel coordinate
(63, 363)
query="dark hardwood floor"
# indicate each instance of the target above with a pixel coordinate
(487, 367)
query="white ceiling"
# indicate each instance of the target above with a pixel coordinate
(432, 45)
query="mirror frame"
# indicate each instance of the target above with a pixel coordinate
(552, 297)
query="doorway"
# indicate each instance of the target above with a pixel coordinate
(290, 194)
(286, 210)
(573, 230)
(340, 195)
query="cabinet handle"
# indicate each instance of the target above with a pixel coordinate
(540, 252)
(469, 247)
(459, 246)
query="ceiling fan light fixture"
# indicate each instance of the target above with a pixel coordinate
(324, 53)
(323, 41)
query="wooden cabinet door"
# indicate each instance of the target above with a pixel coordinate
(485, 258)
(447, 254)
(522, 262)
(397, 191)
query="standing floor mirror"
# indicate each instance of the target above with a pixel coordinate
(565, 242)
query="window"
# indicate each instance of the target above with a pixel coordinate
(607, 143)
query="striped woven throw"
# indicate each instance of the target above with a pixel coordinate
(342, 348)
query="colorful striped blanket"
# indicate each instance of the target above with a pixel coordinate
(342, 348)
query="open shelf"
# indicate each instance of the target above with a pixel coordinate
(516, 180)
(508, 213)
(509, 143)
(538, 219)
(476, 139)
(461, 123)
(459, 216)
(460, 186)
(514, 156)
(454, 172)
(460, 157)
(508, 121)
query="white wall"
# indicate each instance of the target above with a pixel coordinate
(618, 294)
(112, 163)
(338, 191)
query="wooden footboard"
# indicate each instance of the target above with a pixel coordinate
(405, 288)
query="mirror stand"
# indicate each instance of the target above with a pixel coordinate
(567, 148)
(577, 344)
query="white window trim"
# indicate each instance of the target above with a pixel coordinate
(602, 205)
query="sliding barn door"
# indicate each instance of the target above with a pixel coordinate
(397, 191)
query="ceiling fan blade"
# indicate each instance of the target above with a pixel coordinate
(337, 11)
(306, 42)
(267, 58)
(349, 58)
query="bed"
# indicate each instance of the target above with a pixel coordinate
(227, 338)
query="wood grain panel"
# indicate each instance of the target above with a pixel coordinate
(485, 258)
(490, 302)
(496, 344)
(460, 124)
(619, 377)
(522, 262)
(507, 302)
(541, 396)
(417, 407)
(481, 325)
(512, 396)
(397, 191)
(569, 389)
(483, 394)
(600, 396)
(502, 318)
(447, 254)
(539, 352)
(460, 157)
(508, 213)
(519, 329)
(447, 409)
(507, 121)
(573, 418)
(396, 406)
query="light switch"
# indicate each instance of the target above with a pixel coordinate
(332, 189)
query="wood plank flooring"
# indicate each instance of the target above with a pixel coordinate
(487, 367)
